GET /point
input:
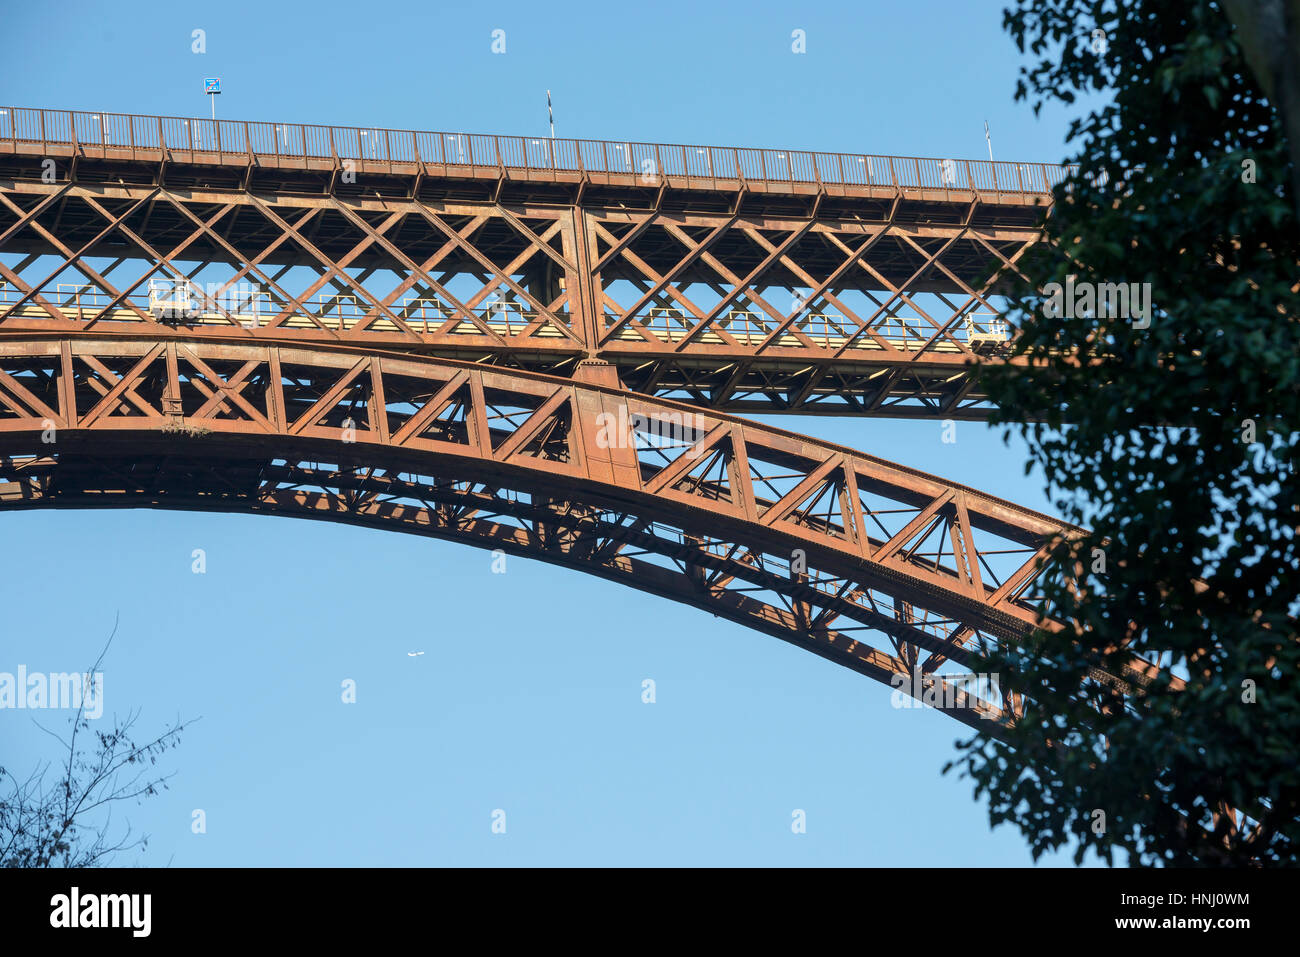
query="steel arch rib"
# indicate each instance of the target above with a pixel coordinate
(812, 542)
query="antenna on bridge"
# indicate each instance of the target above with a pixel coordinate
(988, 139)
(550, 113)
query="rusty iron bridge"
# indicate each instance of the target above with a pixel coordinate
(536, 345)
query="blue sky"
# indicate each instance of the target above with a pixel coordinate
(527, 697)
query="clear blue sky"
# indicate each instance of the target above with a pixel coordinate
(528, 695)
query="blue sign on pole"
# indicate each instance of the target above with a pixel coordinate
(212, 84)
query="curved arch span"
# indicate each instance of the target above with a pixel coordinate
(824, 547)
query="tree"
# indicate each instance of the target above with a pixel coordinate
(1173, 438)
(69, 823)
(1269, 34)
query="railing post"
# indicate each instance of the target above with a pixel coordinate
(217, 124)
(162, 142)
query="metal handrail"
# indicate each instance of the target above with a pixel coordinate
(178, 298)
(126, 135)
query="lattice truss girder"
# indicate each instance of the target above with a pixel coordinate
(814, 543)
(480, 280)
(728, 312)
(835, 317)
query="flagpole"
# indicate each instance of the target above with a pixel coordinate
(550, 113)
(989, 139)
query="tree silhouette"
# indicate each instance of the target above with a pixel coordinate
(68, 821)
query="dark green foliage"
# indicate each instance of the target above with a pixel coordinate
(1174, 443)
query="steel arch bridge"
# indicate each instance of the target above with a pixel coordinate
(533, 345)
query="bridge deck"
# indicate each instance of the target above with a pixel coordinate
(294, 147)
(738, 279)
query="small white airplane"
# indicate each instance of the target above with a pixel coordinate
(412, 654)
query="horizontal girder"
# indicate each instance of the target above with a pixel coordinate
(803, 289)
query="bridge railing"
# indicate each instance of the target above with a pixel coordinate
(425, 313)
(122, 135)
